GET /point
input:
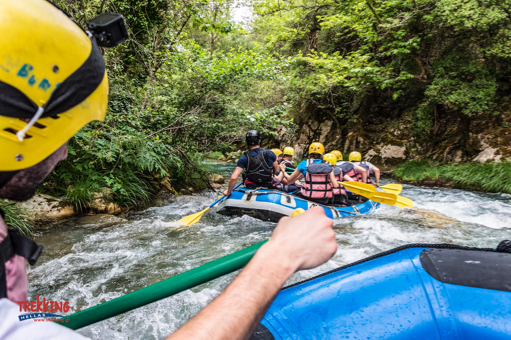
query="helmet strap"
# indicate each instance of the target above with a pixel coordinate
(21, 134)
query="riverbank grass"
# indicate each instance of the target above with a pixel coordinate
(17, 218)
(487, 177)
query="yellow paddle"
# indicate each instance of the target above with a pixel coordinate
(369, 191)
(384, 198)
(404, 202)
(392, 188)
(363, 189)
(194, 218)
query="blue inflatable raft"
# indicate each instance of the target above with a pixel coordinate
(271, 205)
(433, 292)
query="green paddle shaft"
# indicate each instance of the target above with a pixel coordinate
(163, 289)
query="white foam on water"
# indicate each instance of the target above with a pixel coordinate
(87, 264)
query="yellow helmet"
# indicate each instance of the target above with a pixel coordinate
(337, 154)
(277, 152)
(289, 151)
(355, 156)
(316, 148)
(52, 82)
(330, 158)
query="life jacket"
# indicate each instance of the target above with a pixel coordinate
(348, 169)
(317, 180)
(339, 178)
(359, 175)
(14, 247)
(289, 165)
(258, 171)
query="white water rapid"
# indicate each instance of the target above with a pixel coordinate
(91, 260)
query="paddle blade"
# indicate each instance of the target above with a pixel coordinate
(404, 202)
(193, 218)
(358, 188)
(384, 198)
(392, 188)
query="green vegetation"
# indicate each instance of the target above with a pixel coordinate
(17, 218)
(191, 81)
(490, 177)
(176, 91)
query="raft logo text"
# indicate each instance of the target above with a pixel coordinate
(42, 310)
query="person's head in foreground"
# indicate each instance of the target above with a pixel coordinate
(52, 83)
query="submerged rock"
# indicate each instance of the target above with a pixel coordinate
(216, 178)
(101, 219)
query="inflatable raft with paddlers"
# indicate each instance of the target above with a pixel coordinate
(417, 291)
(271, 205)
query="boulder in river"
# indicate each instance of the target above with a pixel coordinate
(42, 207)
(216, 178)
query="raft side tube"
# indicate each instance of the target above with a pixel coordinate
(395, 297)
(271, 205)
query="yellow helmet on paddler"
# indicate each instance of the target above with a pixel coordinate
(277, 152)
(316, 148)
(337, 154)
(52, 82)
(288, 151)
(330, 158)
(355, 156)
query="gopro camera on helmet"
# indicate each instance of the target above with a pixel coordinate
(109, 29)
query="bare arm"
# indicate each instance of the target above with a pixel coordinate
(348, 178)
(279, 177)
(301, 242)
(276, 167)
(362, 171)
(286, 177)
(294, 176)
(333, 180)
(376, 171)
(232, 182)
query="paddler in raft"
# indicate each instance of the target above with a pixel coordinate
(277, 153)
(287, 158)
(355, 172)
(340, 195)
(319, 176)
(259, 165)
(356, 159)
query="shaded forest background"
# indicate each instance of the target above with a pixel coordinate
(431, 78)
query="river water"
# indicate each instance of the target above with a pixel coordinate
(95, 259)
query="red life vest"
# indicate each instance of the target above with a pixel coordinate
(348, 169)
(317, 180)
(339, 177)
